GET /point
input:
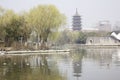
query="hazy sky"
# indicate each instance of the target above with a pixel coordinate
(91, 11)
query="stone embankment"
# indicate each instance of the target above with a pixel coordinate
(36, 51)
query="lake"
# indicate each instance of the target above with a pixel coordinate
(83, 64)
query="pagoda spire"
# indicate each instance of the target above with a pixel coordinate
(76, 11)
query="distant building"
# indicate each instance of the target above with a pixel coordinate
(89, 30)
(76, 21)
(116, 27)
(104, 26)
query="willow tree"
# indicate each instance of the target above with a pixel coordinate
(13, 26)
(2, 31)
(45, 19)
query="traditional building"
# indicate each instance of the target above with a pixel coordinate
(102, 41)
(76, 21)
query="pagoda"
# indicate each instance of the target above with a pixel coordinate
(76, 22)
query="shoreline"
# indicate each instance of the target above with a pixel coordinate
(84, 46)
(36, 51)
(92, 46)
(51, 51)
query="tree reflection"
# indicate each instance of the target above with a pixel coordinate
(27, 68)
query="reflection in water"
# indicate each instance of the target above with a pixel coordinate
(27, 68)
(77, 63)
(116, 58)
(105, 57)
(89, 64)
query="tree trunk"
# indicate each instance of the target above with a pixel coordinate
(44, 46)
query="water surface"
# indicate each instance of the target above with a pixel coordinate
(85, 64)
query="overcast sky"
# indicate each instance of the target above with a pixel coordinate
(91, 11)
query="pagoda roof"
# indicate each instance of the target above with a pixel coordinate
(76, 14)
